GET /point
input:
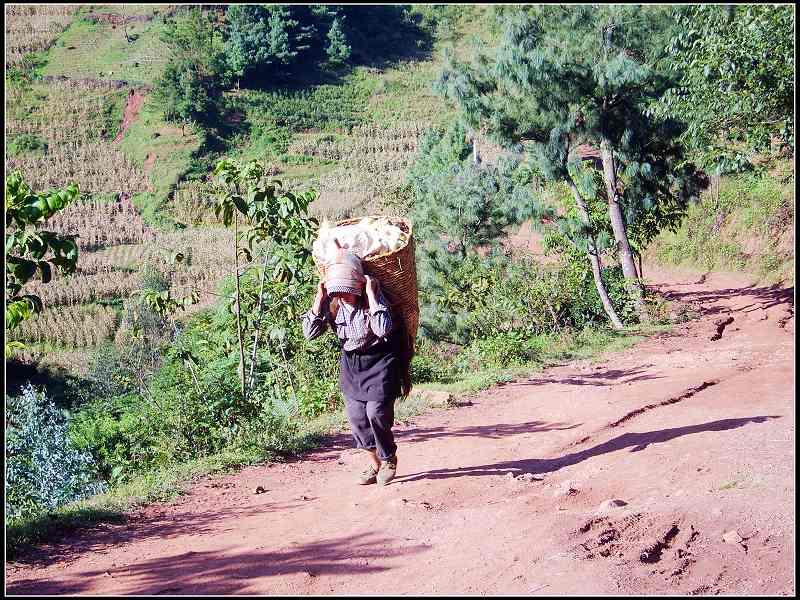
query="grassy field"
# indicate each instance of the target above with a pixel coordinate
(165, 152)
(746, 223)
(100, 50)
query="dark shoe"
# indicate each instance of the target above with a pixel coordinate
(367, 476)
(387, 471)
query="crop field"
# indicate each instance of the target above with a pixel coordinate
(351, 139)
(33, 28)
(96, 167)
(113, 273)
(126, 49)
(365, 167)
(61, 132)
(62, 112)
(99, 223)
(70, 326)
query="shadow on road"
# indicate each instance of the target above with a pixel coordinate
(137, 528)
(496, 431)
(227, 572)
(765, 297)
(635, 441)
(599, 378)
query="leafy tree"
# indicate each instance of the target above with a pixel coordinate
(736, 91)
(562, 77)
(248, 196)
(191, 85)
(30, 249)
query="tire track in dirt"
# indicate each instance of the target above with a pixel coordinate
(684, 396)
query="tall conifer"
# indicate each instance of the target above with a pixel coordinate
(565, 77)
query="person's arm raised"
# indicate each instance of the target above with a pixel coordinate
(380, 320)
(314, 322)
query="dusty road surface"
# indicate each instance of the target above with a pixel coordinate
(666, 468)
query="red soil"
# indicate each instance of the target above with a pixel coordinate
(692, 437)
(135, 101)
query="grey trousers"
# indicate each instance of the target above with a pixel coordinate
(371, 422)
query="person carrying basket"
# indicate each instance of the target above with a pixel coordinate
(375, 361)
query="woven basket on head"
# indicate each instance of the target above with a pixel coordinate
(397, 273)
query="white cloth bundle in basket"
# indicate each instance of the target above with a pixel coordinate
(369, 237)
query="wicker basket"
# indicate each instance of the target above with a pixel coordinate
(397, 273)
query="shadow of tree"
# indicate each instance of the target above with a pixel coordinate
(614, 375)
(119, 529)
(61, 385)
(635, 441)
(496, 431)
(764, 296)
(226, 572)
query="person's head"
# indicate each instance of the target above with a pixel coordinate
(345, 278)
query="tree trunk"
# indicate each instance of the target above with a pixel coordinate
(251, 377)
(594, 259)
(639, 271)
(238, 306)
(618, 226)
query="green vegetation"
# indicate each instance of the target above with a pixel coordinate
(746, 226)
(190, 88)
(26, 142)
(534, 86)
(98, 50)
(30, 250)
(44, 469)
(166, 152)
(192, 359)
(327, 107)
(736, 65)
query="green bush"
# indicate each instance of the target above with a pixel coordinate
(486, 295)
(503, 350)
(26, 142)
(332, 108)
(747, 227)
(430, 366)
(44, 468)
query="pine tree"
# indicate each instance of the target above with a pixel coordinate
(458, 207)
(278, 40)
(562, 77)
(247, 47)
(338, 51)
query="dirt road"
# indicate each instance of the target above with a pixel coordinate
(666, 468)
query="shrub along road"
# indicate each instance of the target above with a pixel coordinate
(665, 468)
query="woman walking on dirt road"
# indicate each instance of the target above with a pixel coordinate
(374, 363)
